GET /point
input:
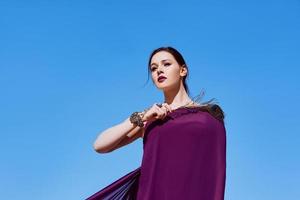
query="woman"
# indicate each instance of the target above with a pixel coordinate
(184, 141)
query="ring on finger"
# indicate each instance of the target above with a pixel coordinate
(159, 105)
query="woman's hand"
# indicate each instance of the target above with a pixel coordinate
(156, 112)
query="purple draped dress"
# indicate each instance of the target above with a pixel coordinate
(184, 159)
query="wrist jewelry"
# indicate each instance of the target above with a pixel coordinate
(136, 118)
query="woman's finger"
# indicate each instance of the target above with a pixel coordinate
(168, 107)
(164, 110)
(157, 112)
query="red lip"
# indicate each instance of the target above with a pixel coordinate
(161, 78)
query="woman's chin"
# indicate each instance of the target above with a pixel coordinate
(163, 87)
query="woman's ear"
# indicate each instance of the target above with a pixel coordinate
(183, 70)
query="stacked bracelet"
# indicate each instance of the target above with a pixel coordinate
(136, 118)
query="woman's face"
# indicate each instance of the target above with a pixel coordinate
(164, 64)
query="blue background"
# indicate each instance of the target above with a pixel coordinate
(71, 69)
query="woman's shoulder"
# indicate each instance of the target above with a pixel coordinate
(212, 108)
(209, 106)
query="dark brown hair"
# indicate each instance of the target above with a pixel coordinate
(208, 106)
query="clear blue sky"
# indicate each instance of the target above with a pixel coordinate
(71, 69)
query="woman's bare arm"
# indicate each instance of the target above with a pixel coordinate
(135, 134)
(117, 136)
(126, 132)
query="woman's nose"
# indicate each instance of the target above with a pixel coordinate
(159, 70)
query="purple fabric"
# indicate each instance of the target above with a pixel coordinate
(124, 188)
(184, 158)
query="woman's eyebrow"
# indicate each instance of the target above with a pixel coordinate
(161, 61)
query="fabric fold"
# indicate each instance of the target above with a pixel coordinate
(125, 188)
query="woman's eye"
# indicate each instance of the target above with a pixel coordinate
(153, 69)
(167, 64)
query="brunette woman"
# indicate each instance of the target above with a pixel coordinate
(184, 141)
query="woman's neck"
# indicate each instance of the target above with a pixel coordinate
(177, 98)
